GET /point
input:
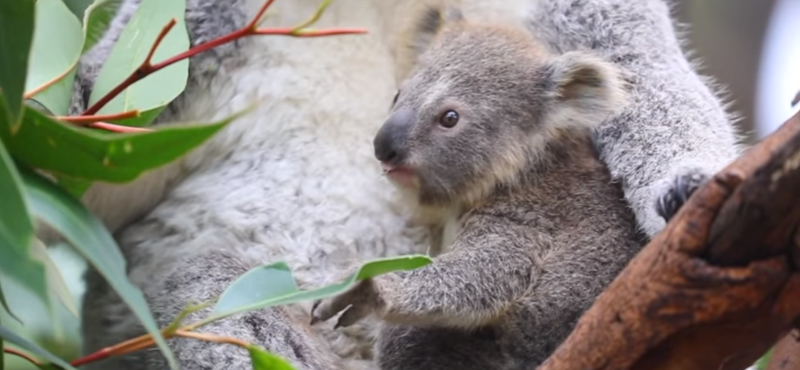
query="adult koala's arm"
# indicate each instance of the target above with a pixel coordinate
(172, 269)
(276, 184)
(675, 132)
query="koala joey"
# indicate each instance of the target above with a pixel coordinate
(493, 130)
(278, 183)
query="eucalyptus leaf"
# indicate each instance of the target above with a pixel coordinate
(261, 283)
(55, 280)
(4, 305)
(57, 42)
(16, 228)
(97, 18)
(274, 285)
(131, 50)
(77, 7)
(80, 153)
(263, 360)
(39, 107)
(31, 347)
(16, 231)
(75, 187)
(16, 35)
(88, 236)
(142, 119)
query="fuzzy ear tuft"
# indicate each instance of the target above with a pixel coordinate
(586, 90)
(428, 23)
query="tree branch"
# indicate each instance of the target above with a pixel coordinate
(84, 120)
(21, 354)
(717, 287)
(787, 353)
(147, 67)
(117, 128)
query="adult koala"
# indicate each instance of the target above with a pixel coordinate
(296, 180)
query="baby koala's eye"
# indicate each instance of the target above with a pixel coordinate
(394, 101)
(449, 119)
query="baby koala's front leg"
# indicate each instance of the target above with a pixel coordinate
(367, 297)
(466, 288)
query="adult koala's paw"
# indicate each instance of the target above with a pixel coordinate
(678, 191)
(367, 297)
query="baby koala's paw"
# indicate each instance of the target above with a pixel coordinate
(367, 297)
(678, 191)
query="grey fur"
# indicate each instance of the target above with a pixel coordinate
(294, 181)
(253, 195)
(543, 229)
(205, 278)
(674, 127)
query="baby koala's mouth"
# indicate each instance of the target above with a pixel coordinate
(401, 175)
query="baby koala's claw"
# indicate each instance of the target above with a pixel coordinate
(678, 193)
(352, 315)
(324, 309)
(314, 318)
(357, 303)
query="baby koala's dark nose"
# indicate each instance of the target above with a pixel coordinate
(391, 142)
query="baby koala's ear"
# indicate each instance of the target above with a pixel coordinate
(429, 20)
(583, 89)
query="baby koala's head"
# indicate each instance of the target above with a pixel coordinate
(481, 105)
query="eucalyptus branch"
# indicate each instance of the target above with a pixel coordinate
(46, 85)
(147, 68)
(84, 120)
(174, 329)
(117, 128)
(96, 121)
(21, 354)
(212, 338)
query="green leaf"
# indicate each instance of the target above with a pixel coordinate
(96, 19)
(33, 348)
(57, 42)
(99, 156)
(75, 187)
(263, 360)
(16, 232)
(39, 107)
(131, 50)
(56, 330)
(16, 36)
(763, 362)
(77, 7)
(89, 237)
(4, 305)
(259, 284)
(145, 118)
(55, 280)
(274, 285)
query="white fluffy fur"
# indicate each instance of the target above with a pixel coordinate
(294, 180)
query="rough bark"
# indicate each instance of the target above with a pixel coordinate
(787, 353)
(717, 287)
